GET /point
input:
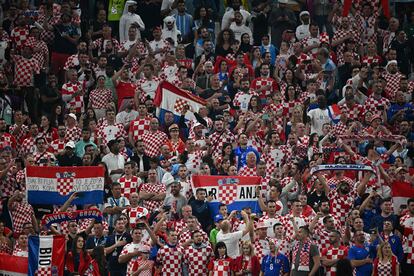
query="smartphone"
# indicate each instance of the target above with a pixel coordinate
(140, 225)
(380, 107)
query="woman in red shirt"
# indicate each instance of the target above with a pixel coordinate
(78, 259)
(247, 263)
(221, 264)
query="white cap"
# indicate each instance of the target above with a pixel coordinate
(283, 1)
(70, 144)
(73, 116)
(303, 13)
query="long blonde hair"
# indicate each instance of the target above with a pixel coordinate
(379, 251)
(249, 244)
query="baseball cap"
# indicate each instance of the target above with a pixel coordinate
(73, 116)
(261, 225)
(70, 144)
(218, 218)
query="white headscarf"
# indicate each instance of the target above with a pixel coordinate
(127, 5)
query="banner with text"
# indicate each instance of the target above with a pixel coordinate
(234, 191)
(47, 255)
(54, 185)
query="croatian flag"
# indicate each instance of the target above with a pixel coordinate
(234, 191)
(401, 192)
(171, 98)
(54, 185)
(13, 265)
(46, 255)
(334, 112)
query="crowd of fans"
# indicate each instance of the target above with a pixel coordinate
(288, 87)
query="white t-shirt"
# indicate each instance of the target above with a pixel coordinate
(318, 118)
(232, 242)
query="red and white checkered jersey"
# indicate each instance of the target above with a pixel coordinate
(218, 139)
(21, 133)
(339, 129)
(371, 104)
(28, 146)
(153, 142)
(334, 181)
(19, 36)
(261, 248)
(287, 222)
(333, 253)
(58, 145)
(38, 157)
(138, 127)
(270, 222)
(99, 98)
(247, 171)
(341, 33)
(407, 222)
(25, 69)
(134, 213)
(392, 84)
(341, 205)
(70, 88)
(221, 267)
(354, 112)
(276, 109)
(181, 225)
(100, 44)
(194, 161)
(321, 236)
(71, 62)
(130, 185)
(260, 82)
(21, 213)
(171, 259)
(130, 248)
(73, 134)
(197, 259)
(242, 99)
(185, 236)
(309, 41)
(285, 245)
(7, 139)
(41, 50)
(160, 45)
(18, 251)
(110, 132)
(21, 179)
(147, 87)
(369, 60)
(367, 27)
(8, 184)
(158, 188)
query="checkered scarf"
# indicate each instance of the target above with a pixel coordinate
(347, 167)
(304, 255)
(67, 216)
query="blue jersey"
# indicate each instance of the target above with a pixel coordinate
(275, 265)
(360, 253)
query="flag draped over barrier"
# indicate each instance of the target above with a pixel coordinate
(47, 255)
(53, 185)
(13, 265)
(234, 191)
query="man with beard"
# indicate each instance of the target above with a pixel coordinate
(20, 212)
(264, 85)
(376, 103)
(342, 198)
(197, 255)
(170, 256)
(113, 248)
(281, 19)
(305, 255)
(392, 77)
(319, 116)
(350, 106)
(335, 252)
(114, 160)
(110, 130)
(146, 86)
(360, 256)
(220, 135)
(242, 98)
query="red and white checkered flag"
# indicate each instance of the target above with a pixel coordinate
(180, 104)
(65, 183)
(227, 193)
(44, 271)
